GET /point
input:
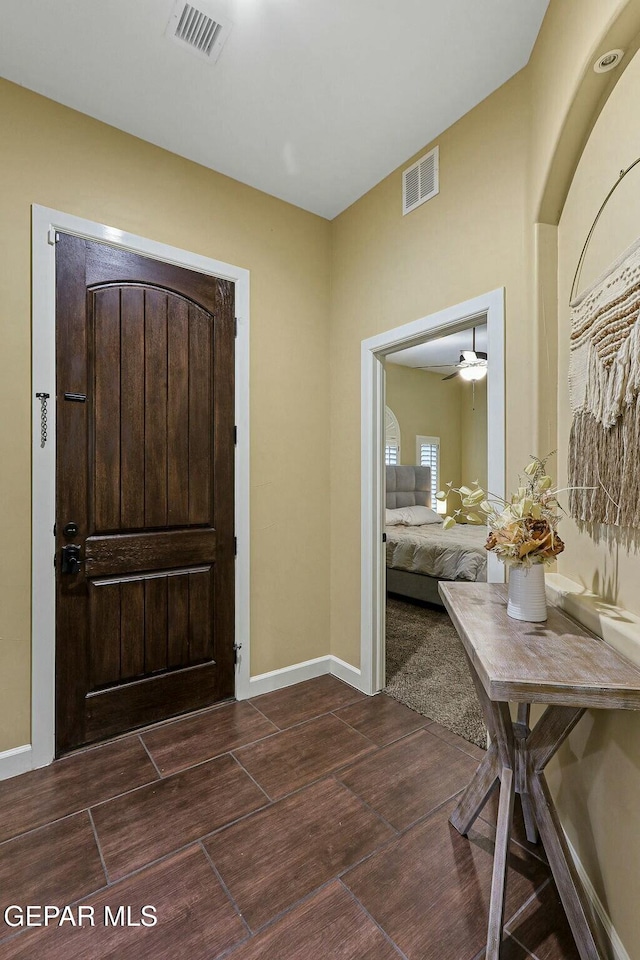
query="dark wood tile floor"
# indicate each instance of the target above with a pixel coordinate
(308, 823)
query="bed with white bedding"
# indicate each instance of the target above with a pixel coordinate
(419, 552)
(427, 549)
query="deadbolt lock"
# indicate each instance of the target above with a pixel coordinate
(70, 559)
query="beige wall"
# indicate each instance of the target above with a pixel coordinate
(54, 156)
(571, 37)
(600, 560)
(505, 166)
(388, 270)
(498, 167)
(598, 778)
(425, 406)
(473, 432)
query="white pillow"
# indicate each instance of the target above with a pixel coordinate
(412, 516)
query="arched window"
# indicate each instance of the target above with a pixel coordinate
(391, 437)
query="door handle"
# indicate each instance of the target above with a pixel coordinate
(70, 559)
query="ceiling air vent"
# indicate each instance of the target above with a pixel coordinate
(420, 182)
(199, 29)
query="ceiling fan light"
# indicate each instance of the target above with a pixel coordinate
(474, 373)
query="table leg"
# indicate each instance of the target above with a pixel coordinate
(499, 763)
(477, 793)
(500, 864)
(521, 732)
(502, 727)
(530, 827)
(550, 732)
(548, 735)
(517, 757)
(500, 754)
(486, 705)
(570, 888)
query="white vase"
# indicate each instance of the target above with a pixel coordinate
(527, 597)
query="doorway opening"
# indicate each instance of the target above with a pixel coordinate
(436, 392)
(486, 311)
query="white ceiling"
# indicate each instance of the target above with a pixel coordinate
(441, 355)
(312, 101)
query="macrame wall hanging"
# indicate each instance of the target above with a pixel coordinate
(604, 389)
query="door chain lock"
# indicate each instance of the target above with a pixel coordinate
(43, 397)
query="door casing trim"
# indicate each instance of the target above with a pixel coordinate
(45, 222)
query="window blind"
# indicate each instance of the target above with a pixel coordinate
(429, 456)
(391, 454)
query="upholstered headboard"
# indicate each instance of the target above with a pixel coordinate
(408, 487)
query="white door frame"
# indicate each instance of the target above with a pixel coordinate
(488, 308)
(44, 224)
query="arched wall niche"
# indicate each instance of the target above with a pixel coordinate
(591, 94)
(595, 777)
(592, 91)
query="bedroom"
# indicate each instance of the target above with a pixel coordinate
(442, 420)
(435, 418)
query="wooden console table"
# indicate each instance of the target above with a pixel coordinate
(555, 663)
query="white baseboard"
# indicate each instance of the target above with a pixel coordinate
(297, 672)
(20, 759)
(15, 761)
(345, 671)
(617, 948)
(287, 676)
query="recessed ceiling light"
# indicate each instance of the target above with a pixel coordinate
(608, 61)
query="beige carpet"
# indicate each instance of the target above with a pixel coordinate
(427, 669)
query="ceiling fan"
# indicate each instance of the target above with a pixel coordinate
(472, 364)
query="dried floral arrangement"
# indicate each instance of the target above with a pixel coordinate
(522, 530)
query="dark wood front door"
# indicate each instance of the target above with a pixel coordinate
(144, 491)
